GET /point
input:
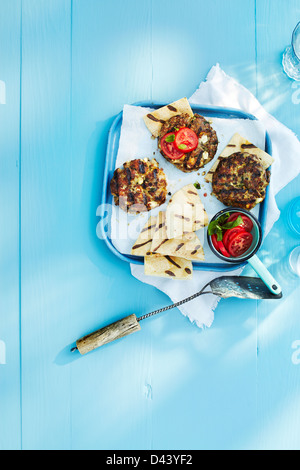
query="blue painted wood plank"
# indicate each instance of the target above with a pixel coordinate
(172, 385)
(188, 39)
(10, 60)
(69, 280)
(278, 326)
(169, 370)
(46, 233)
(211, 374)
(111, 66)
(278, 93)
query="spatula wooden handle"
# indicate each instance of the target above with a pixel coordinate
(109, 333)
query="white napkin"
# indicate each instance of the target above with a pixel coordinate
(221, 90)
(135, 141)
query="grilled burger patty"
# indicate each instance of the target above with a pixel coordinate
(139, 186)
(240, 180)
(207, 145)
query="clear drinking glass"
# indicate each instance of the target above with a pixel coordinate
(294, 260)
(293, 216)
(293, 222)
(291, 56)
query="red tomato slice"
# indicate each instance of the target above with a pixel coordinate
(247, 222)
(231, 232)
(215, 241)
(186, 140)
(239, 244)
(219, 246)
(223, 250)
(233, 216)
(169, 148)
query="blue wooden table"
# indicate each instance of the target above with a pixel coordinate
(67, 67)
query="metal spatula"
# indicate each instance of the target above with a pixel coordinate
(225, 287)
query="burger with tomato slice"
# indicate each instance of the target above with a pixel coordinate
(188, 142)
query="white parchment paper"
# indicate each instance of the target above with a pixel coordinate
(136, 142)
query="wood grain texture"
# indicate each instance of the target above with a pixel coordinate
(46, 231)
(210, 35)
(173, 386)
(10, 387)
(278, 328)
(111, 65)
(107, 334)
(163, 367)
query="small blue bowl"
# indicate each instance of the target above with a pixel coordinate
(250, 255)
(256, 233)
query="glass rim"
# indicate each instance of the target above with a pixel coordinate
(294, 38)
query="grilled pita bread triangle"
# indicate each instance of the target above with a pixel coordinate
(167, 266)
(156, 119)
(188, 247)
(185, 213)
(144, 241)
(240, 144)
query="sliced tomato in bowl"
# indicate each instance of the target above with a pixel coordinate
(239, 244)
(186, 140)
(247, 222)
(219, 246)
(231, 232)
(215, 241)
(168, 147)
(223, 250)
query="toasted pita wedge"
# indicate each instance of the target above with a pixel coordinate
(188, 247)
(155, 120)
(240, 144)
(185, 213)
(160, 233)
(144, 242)
(167, 266)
